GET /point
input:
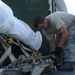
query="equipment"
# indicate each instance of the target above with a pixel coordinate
(28, 61)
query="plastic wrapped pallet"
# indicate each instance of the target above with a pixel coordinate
(13, 27)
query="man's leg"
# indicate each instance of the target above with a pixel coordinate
(69, 50)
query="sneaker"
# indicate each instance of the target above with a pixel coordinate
(67, 66)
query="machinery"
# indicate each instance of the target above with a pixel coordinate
(29, 62)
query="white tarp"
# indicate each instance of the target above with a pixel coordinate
(12, 26)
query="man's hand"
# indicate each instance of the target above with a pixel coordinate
(58, 50)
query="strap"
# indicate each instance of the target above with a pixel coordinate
(6, 54)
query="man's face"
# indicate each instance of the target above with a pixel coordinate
(43, 25)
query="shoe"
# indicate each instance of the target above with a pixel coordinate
(67, 66)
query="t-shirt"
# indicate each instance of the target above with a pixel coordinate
(57, 20)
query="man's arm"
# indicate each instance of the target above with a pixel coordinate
(64, 35)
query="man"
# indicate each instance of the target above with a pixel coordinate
(63, 25)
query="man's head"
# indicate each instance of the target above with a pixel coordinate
(40, 22)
